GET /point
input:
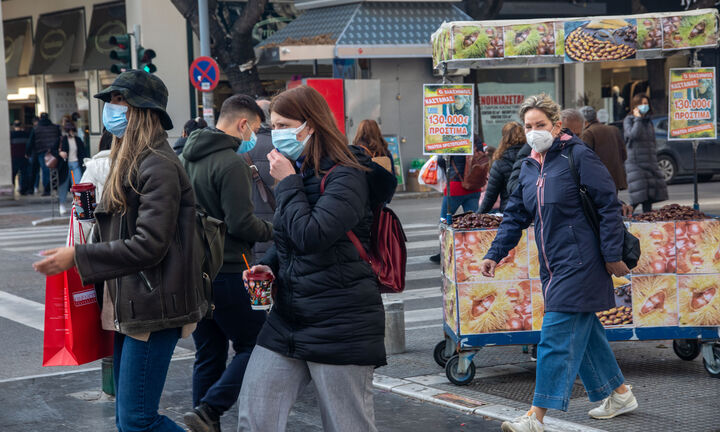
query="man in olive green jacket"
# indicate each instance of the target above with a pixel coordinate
(222, 181)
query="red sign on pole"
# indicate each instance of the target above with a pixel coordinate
(204, 74)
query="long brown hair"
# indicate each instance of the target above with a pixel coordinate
(305, 104)
(512, 134)
(369, 136)
(126, 154)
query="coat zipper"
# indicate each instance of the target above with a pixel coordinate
(117, 281)
(540, 196)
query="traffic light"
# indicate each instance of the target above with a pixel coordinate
(121, 54)
(145, 58)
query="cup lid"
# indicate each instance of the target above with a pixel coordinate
(261, 275)
(82, 187)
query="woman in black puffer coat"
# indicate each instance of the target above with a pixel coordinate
(513, 137)
(646, 183)
(327, 323)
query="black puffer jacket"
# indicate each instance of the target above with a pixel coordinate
(328, 307)
(523, 153)
(497, 182)
(645, 181)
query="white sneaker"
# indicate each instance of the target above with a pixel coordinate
(526, 423)
(63, 210)
(614, 405)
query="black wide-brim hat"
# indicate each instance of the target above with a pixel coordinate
(141, 90)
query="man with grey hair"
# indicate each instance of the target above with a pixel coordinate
(573, 120)
(608, 144)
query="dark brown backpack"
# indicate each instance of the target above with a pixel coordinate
(477, 167)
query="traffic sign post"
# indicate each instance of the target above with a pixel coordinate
(204, 76)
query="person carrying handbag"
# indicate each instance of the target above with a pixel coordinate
(152, 287)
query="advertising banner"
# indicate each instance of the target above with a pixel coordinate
(675, 283)
(394, 147)
(448, 119)
(530, 40)
(600, 40)
(691, 96)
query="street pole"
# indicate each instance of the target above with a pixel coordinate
(134, 61)
(204, 24)
(696, 204)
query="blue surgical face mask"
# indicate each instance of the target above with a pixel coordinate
(248, 145)
(115, 119)
(286, 142)
(644, 108)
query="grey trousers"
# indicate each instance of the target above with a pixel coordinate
(273, 382)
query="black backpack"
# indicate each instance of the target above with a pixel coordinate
(210, 239)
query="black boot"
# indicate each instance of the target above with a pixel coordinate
(202, 419)
(435, 258)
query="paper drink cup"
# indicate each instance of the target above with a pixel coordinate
(84, 200)
(259, 287)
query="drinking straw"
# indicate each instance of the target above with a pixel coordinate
(72, 174)
(246, 263)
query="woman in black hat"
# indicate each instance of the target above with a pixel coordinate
(143, 250)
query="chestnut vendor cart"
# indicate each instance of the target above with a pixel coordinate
(673, 293)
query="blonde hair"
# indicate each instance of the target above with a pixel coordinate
(543, 103)
(126, 154)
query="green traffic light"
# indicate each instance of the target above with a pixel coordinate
(145, 57)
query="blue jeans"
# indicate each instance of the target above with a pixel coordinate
(234, 321)
(74, 168)
(572, 344)
(38, 164)
(470, 202)
(140, 369)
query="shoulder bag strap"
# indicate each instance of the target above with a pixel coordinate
(351, 235)
(261, 186)
(585, 199)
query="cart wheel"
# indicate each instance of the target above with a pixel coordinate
(686, 349)
(714, 371)
(451, 371)
(439, 354)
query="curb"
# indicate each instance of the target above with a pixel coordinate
(467, 405)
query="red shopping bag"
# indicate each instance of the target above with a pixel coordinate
(73, 331)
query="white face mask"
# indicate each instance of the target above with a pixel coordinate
(539, 140)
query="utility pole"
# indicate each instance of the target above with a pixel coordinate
(204, 24)
(134, 61)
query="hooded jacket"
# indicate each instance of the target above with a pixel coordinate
(500, 172)
(328, 307)
(572, 258)
(223, 187)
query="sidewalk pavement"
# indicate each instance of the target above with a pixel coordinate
(58, 403)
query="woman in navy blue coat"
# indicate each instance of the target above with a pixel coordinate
(575, 266)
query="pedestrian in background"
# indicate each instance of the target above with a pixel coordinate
(369, 138)
(575, 266)
(327, 325)
(222, 181)
(71, 154)
(469, 200)
(607, 143)
(189, 127)
(646, 183)
(18, 145)
(44, 138)
(573, 120)
(146, 225)
(105, 140)
(263, 183)
(513, 137)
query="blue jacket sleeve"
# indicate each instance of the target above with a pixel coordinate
(596, 178)
(515, 219)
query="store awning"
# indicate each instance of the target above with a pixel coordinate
(58, 41)
(17, 32)
(108, 19)
(360, 30)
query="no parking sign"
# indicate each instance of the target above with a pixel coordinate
(204, 74)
